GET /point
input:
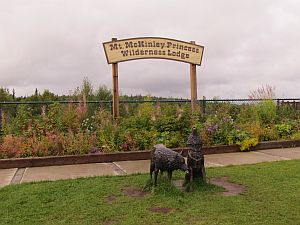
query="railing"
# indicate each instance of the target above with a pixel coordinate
(153, 101)
(204, 104)
(294, 102)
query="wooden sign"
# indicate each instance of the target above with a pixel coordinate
(152, 48)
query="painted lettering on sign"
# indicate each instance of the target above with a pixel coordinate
(145, 48)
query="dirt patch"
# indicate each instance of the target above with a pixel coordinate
(133, 192)
(108, 222)
(110, 199)
(161, 210)
(232, 189)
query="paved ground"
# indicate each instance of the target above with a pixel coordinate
(6, 176)
(21, 175)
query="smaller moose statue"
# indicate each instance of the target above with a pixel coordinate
(195, 158)
(165, 159)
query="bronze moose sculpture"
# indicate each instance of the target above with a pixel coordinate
(165, 159)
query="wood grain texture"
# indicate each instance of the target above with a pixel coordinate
(152, 48)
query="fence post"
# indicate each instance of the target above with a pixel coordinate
(294, 104)
(157, 105)
(0, 120)
(43, 110)
(126, 105)
(101, 106)
(203, 105)
(111, 107)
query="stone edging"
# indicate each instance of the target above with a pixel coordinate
(126, 156)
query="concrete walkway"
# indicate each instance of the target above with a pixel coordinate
(22, 175)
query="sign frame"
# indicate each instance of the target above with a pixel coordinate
(149, 57)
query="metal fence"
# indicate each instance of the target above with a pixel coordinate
(292, 102)
(206, 106)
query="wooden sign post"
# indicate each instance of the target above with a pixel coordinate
(193, 80)
(152, 48)
(115, 82)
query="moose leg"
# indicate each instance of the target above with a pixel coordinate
(155, 176)
(170, 175)
(187, 178)
(152, 167)
(192, 174)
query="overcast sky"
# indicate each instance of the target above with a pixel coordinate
(54, 44)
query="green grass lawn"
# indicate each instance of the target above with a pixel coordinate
(272, 197)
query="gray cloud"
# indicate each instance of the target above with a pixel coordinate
(54, 44)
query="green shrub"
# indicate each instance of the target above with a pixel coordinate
(284, 130)
(170, 139)
(236, 136)
(247, 143)
(217, 128)
(70, 119)
(248, 114)
(269, 133)
(54, 120)
(145, 139)
(266, 110)
(19, 124)
(296, 136)
(78, 143)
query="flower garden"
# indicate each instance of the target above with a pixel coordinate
(81, 128)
